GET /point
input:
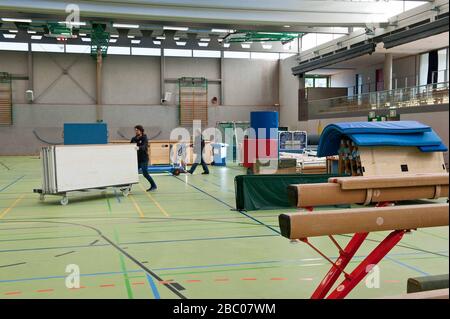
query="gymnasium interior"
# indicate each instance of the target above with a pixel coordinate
(320, 130)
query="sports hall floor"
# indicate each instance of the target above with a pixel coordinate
(186, 236)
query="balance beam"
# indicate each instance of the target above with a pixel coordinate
(431, 294)
(419, 284)
(323, 194)
(362, 220)
(409, 180)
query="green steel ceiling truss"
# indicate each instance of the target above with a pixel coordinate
(250, 36)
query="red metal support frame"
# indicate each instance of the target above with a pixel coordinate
(367, 264)
(344, 258)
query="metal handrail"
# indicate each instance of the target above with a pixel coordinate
(414, 96)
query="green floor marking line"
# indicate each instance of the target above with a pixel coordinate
(122, 261)
(431, 234)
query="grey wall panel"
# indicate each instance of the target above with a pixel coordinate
(131, 80)
(251, 82)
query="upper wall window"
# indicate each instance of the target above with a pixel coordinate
(317, 82)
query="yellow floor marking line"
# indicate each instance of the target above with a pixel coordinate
(141, 213)
(155, 202)
(7, 210)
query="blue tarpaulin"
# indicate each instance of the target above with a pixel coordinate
(395, 133)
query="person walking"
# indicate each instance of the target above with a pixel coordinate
(198, 139)
(141, 141)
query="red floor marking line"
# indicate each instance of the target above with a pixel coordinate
(222, 279)
(45, 290)
(107, 286)
(165, 282)
(278, 278)
(13, 293)
(193, 280)
(138, 283)
(248, 278)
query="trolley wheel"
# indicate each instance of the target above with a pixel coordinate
(41, 197)
(176, 172)
(64, 200)
(126, 191)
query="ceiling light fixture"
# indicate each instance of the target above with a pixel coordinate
(176, 28)
(72, 23)
(36, 37)
(125, 26)
(13, 31)
(31, 32)
(17, 20)
(114, 35)
(9, 36)
(205, 39)
(203, 44)
(135, 41)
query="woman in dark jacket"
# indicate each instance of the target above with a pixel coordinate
(142, 142)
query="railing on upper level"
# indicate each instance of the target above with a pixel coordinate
(416, 96)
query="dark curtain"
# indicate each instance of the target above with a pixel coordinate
(432, 67)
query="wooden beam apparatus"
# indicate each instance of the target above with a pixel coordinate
(325, 194)
(364, 182)
(361, 220)
(431, 294)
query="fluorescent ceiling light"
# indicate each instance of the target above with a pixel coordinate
(9, 36)
(176, 28)
(267, 46)
(180, 43)
(176, 39)
(222, 31)
(245, 45)
(14, 31)
(16, 20)
(287, 26)
(131, 37)
(126, 26)
(219, 40)
(203, 44)
(112, 40)
(36, 37)
(114, 35)
(31, 32)
(135, 41)
(205, 39)
(226, 45)
(86, 39)
(161, 38)
(72, 23)
(82, 34)
(157, 42)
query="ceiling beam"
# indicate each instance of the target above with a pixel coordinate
(290, 12)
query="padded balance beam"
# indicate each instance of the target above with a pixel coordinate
(419, 284)
(431, 294)
(306, 195)
(410, 180)
(362, 220)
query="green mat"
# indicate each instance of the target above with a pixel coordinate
(256, 192)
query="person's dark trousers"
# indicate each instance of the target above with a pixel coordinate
(194, 167)
(144, 167)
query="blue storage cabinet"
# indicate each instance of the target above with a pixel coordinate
(85, 133)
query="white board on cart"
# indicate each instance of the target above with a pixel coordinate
(94, 166)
